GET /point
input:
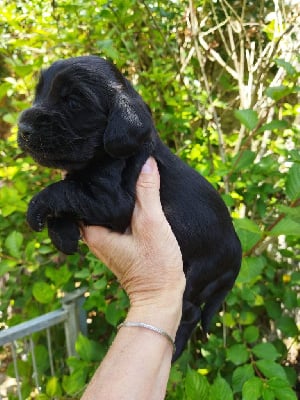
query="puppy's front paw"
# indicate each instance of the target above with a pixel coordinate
(37, 212)
(64, 233)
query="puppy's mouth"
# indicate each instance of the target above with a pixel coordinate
(57, 146)
(59, 163)
(52, 159)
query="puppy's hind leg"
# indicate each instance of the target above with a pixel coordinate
(212, 306)
(64, 233)
(191, 315)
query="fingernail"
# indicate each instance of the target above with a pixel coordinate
(148, 166)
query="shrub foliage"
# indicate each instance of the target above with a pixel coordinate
(221, 80)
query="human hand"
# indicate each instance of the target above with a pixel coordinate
(148, 263)
(146, 259)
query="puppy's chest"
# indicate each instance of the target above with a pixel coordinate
(109, 176)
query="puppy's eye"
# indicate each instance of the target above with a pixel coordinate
(73, 104)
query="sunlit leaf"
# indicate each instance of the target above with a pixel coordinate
(266, 351)
(196, 386)
(240, 376)
(13, 243)
(275, 124)
(282, 389)
(286, 226)
(290, 70)
(53, 388)
(252, 389)
(220, 390)
(43, 292)
(278, 92)
(270, 369)
(248, 118)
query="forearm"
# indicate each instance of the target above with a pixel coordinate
(137, 364)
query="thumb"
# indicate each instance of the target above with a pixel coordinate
(147, 187)
(148, 211)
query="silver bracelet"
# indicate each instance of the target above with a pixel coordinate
(130, 324)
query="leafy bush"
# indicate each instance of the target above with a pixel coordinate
(221, 80)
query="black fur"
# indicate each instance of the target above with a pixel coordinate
(87, 119)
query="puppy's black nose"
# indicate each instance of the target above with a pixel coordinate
(25, 130)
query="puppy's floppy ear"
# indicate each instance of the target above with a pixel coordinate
(129, 126)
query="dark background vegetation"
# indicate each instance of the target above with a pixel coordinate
(221, 80)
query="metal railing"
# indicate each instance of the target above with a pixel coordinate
(72, 315)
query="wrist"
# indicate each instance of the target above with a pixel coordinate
(163, 310)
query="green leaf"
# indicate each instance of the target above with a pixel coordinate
(266, 351)
(4, 87)
(275, 124)
(88, 349)
(290, 299)
(248, 118)
(10, 118)
(248, 225)
(75, 363)
(243, 160)
(267, 393)
(270, 369)
(287, 325)
(292, 212)
(252, 389)
(248, 232)
(6, 265)
(196, 386)
(42, 396)
(286, 226)
(247, 317)
(273, 308)
(114, 313)
(84, 273)
(59, 276)
(295, 278)
(74, 383)
(290, 70)
(43, 292)
(251, 269)
(220, 390)
(294, 155)
(13, 244)
(240, 376)
(248, 239)
(228, 320)
(41, 356)
(282, 389)
(30, 250)
(23, 70)
(293, 182)
(108, 49)
(251, 334)
(237, 354)
(278, 92)
(45, 249)
(53, 388)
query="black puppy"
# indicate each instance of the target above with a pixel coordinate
(87, 119)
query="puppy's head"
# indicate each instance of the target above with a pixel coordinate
(83, 107)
